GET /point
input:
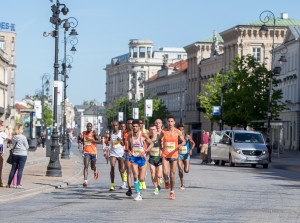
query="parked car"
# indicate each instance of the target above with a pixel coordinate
(239, 147)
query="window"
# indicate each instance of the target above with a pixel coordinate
(179, 56)
(256, 53)
(2, 44)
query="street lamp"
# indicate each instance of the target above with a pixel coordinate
(265, 17)
(72, 39)
(54, 167)
(45, 84)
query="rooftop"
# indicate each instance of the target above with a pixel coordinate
(210, 40)
(278, 22)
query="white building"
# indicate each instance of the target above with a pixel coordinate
(125, 75)
(169, 85)
(289, 83)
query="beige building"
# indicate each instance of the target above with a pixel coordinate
(169, 85)
(7, 77)
(239, 40)
(126, 74)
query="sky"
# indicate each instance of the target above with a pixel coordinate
(105, 28)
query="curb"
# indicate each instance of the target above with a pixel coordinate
(59, 184)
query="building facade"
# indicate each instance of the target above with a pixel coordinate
(126, 74)
(7, 77)
(240, 40)
(169, 85)
(289, 83)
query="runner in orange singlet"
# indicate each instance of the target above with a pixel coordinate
(170, 147)
(128, 168)
(90, 139)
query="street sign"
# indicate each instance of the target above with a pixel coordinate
(135, 113)
(149, 107)
(216, 110)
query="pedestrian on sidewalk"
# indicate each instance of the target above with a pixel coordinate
(204, 147)
(19, 157)
(43, 139)
(70, 139)
(3, 136)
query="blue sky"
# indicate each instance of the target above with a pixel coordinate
(105, 28)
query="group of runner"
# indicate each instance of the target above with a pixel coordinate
(130, 143)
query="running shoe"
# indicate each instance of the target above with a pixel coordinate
(182, 187)
(85, 184)
(125, 176)
(159, 187)
(19, 187)
(129, 193)
(167, 185)
(143, 185)
(123, 186)
(2, 185)
(156, 192)
(172, 197)
(96, 175)
(112, 188)
(138, 198)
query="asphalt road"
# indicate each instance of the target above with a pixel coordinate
(212, 194)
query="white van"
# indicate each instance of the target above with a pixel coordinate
(239, 146)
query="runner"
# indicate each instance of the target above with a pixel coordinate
(90, 138)
(137, 145)
(170, 148)
(116, 153)
(184, 155)
(141, 124)
(105, 145)
(127, 173)
(122, 126)
(158, 124)
(155, 160)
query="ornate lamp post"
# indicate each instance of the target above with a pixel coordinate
(265, 17)
(54, 167)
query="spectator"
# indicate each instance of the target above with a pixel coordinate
(204, 147)
(3, 136)
(20, 147)
(43, 138)
(70, 139)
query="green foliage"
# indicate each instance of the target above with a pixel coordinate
(124, 105)
(245, 99)
(48, 116)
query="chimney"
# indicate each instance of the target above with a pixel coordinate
(284, 15)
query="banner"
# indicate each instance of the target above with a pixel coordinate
(120, 117)
(38, 109)
(100, 119)
(149, 107)
(135, 113)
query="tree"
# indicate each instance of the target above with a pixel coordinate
(124, 105)
(245, 99)
(48, 116)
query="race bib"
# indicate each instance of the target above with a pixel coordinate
(87, 142)
(183, 150)
(117, 143)
(154, 151)
(137, 151)
(170, 147)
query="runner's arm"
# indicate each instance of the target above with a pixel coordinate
(129, 144)
(189, 138)
(95, 135)
(149, 142)
(161, 136)
(181, 138)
